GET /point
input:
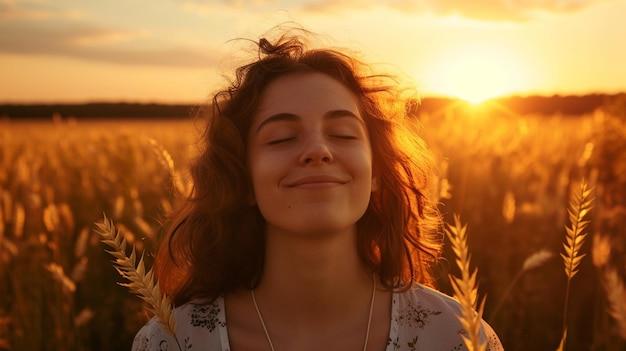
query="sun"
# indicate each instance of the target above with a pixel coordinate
(476, 73)
(475, 78)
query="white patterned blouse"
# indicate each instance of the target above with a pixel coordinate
(421, 319)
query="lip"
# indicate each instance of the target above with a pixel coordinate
(316, 182)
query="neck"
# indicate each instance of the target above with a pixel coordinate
(315, 274)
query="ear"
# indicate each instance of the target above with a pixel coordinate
(375, 185)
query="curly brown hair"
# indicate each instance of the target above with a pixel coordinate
(216, 243)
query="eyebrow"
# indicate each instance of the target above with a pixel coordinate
(290, 117)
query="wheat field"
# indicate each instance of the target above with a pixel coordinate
(509, 178)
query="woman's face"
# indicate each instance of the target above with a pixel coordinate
(309, 156)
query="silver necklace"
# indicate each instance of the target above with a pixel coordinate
(369, 318)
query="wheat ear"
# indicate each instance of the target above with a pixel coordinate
(163, 156)
(141, 283)
(465, 287)
(59, 275)
(167, 161)
(579, 206)
(533, 261)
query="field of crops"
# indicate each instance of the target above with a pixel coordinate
(509, 177)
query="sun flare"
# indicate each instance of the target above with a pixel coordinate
(475, 79)
(476, 73)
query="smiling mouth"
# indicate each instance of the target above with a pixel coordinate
(316, 182)
(316, 185)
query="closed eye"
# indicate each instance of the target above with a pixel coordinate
(344, 137)
(280, 141)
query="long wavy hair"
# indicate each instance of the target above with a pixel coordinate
(216, 241)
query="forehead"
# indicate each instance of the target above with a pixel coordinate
(305, 93)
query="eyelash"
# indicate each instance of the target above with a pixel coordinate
(345, 137)
(283, 140)
(279, 141)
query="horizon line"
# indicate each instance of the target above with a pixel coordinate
(207, 100)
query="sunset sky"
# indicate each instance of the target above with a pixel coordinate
(175, 51)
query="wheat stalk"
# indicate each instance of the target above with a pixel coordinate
(579, 206)
(163, 156)
(84, 316)
(118, 207)
(536, 260)
(7, 205)
(601, 250)
(4, 323)
(2, 225)
(19, 220)
(67, 217)
(167, 161)
(78, 272)
(80, 248)
(51, 219)
(562, 343)
(616, 295)
(141, 283)
(465, 287)
(59, 275)
(533, 261)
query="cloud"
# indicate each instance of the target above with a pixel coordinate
(487, 10)
(34, 28)
(91, 43)
(483, 10)
(92, 36)
(10, 11)
(330, 6)
(508, 9)
(211, 6)
(203, 8)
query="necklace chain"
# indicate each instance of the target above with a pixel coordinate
(369, 318)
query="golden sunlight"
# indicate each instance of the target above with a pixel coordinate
(476, 73)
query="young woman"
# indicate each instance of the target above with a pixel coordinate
(309, 226)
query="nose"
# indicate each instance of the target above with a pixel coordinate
(316, 151)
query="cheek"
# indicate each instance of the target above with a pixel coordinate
(365, 161)
(264, 172)
(265, 180)
(257, 175)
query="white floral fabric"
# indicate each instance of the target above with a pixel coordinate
(421, 319)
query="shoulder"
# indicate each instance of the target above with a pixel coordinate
(429, 318)
(199, 322)
(422, 307)
(425, 294)
(427, 301)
